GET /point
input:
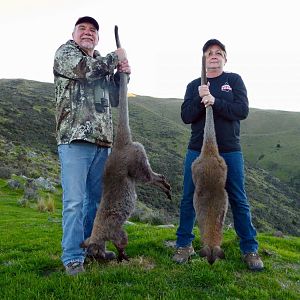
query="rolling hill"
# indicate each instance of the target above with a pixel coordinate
(269, 139)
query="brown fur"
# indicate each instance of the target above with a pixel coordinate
(209, 173)
(127, 164)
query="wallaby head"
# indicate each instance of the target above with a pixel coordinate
(212, 254)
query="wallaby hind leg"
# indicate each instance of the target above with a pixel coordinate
(96, 251)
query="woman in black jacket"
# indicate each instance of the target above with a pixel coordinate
(227, 94)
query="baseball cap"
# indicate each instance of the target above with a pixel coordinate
(87, 19)
(213, 42)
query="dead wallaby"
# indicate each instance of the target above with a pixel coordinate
(209, 173)
(127, 164)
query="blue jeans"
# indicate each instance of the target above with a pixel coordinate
(82, 166)
(237, 199)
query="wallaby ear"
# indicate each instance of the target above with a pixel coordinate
(205, 251)
(212, 254)
(217, 252)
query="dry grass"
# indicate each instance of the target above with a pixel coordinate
(46, 205)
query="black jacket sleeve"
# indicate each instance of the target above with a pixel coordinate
(237, 109)
(191, 108)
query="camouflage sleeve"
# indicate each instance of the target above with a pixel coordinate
(70, 62)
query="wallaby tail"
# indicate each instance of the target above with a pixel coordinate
(209, 130)
(123, 134)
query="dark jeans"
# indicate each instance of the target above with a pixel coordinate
(237, 199)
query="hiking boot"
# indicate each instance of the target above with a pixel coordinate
(253, 261)
(183, 254)
(74, 268)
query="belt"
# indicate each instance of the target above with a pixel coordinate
(96, 142)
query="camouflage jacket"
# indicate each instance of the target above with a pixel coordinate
(85, 89)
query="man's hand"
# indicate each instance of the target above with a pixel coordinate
(121, 54)
(124, 67)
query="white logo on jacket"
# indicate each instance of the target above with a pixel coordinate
(226, 87)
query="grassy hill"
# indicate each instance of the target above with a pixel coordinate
(27, 147)
(271, 141)
(270, 138)
(30, 266)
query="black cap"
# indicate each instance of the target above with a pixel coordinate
(213, 42)
(88, 20)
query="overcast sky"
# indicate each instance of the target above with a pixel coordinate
(163, 40)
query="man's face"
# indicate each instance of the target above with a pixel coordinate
(86, 36)
(215, 57)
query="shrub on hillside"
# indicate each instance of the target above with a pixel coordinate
(145, 214)
(5, 172)
(14, 184)
(23, 202)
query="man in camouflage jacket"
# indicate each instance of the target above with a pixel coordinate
(85, 89)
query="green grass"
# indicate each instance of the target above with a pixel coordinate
(31, 269)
